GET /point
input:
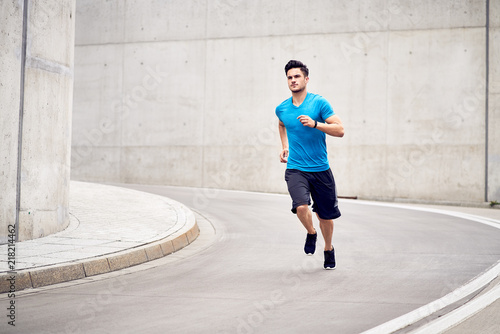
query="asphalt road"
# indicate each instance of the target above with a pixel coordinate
(252, 276)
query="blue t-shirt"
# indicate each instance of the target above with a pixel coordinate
(307, 146)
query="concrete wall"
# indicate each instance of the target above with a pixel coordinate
(184, 92)
(45, 140)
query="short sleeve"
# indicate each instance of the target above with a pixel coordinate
(326, 109)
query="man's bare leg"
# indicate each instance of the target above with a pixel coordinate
(326, 226)
(305, 216)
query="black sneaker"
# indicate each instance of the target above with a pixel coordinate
(310, 245)
(329, 259)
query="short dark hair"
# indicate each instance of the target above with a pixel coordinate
(297, 64)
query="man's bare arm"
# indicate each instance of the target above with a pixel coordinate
(284, 142)
(332, 126)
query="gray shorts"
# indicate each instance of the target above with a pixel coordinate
(318, 185)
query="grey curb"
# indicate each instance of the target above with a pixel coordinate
(48, 275)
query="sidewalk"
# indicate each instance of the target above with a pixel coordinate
(111, 228)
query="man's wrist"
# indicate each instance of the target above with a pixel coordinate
(315, 124)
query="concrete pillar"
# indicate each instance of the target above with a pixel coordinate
(493, 126)
(35, 116)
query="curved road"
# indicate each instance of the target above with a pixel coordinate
(251, 275)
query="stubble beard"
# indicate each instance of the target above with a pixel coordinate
(297, 89)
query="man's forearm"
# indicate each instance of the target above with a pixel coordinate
(332, 129)
(283, 137)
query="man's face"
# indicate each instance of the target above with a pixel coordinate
(296, 80)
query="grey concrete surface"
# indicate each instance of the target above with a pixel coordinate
(10, 26)
(250, 274)
(494, 102)
(111, 229)
(186, 96)
(36, 100)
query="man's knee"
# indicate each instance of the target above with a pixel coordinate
(325, 221)
(302, 209)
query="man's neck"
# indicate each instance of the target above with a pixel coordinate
(299, 97)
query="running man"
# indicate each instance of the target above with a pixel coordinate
(304, 121)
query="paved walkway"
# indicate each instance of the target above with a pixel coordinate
(111, 228)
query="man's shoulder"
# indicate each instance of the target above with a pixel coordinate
(317, 97)
(320, 102)
(284, 104)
